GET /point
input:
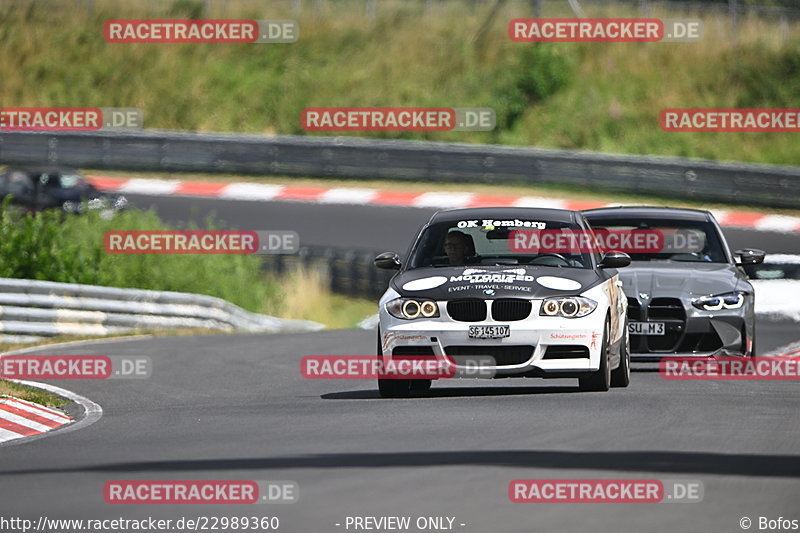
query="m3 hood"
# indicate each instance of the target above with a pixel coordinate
(679, 279)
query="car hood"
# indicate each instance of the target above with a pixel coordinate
(482, 281)
(679, 279)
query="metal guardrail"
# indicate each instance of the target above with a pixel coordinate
(351, 157)
(32, 308)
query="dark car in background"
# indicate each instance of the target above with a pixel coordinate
(776, 267)
(39, 188)
(693, 299)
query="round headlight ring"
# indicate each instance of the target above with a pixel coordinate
(569, 307)
(411, 309)
(551, 308)
(428, 309)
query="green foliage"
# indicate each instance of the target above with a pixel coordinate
(536, 72)
(190, 9)
(57, 247)
(774, 83)
(590, 96)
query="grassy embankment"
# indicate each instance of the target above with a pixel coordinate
(593, 96)
(70, 249)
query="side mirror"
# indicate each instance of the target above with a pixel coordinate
(750, 256)
(615, 260)
(388, 261)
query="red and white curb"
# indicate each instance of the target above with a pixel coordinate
(20, 418)
(275, 193)
(790, 350)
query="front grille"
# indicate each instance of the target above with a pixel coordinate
(503, 355)
(509, 309)
(413, 350)
(634, 310)
(666, 309)
(468, 310)
(567, 351)
(671, 312)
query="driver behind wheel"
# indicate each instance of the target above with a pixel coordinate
(458, 246)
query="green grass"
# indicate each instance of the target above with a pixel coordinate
(68, 248)
(592, 96)
(31, 394)
(305, 294)
(55, 247)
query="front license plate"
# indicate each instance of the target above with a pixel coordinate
(646, 328)
(489, 332)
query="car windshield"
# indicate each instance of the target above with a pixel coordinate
(482, 242)
(680, 240)
(71, 181)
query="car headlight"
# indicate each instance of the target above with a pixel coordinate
(571, 307)
(408, 308)
(729, 300)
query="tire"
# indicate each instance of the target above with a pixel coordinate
(599, 381)
(421, 384)
(392, 388)
(621, 376)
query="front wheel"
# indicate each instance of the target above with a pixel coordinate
(599, 381)
(421, 384)
(392, 388)
(621, 376)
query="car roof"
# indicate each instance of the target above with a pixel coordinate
(644, 211)
(504, 213)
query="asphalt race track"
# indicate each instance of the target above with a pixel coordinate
(236, 407)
